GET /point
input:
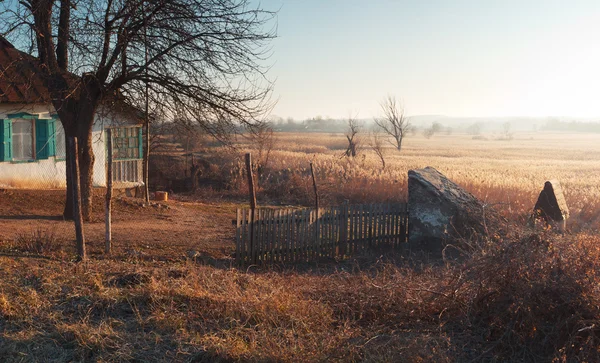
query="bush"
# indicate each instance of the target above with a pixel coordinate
(531, 297)
(39, 241)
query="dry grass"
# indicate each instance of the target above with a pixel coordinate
(532, 297)
(507, 173)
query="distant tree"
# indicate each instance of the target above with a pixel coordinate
(432, 130)
(428, 132)
(475, 128)
(377, 141)
(352, 131)
(393, 122)
(263, 138)
(412, 130)
(507, 135)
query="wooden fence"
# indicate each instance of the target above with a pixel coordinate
(300, 235)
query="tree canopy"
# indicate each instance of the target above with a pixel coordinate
(203, 60)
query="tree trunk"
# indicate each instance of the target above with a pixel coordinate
(78, 119)
(83, 132)
(68, 212)
(86, 168)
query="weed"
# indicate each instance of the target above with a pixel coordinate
(39, 241)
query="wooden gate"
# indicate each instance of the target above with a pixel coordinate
(268, 235)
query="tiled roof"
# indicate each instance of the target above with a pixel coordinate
(21, 83)
(19, 77)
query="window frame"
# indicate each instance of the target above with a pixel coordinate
(35, 120)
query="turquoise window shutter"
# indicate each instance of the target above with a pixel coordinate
(5, 140)
(45, 138)
(52, 137)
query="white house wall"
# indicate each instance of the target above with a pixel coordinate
(51, 173)
(99, 148)
(42, 174)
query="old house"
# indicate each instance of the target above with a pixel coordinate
(32, 140)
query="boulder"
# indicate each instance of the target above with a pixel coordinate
(440, 212)
(551, 206)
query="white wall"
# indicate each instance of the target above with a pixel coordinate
(99, 148)
(42, 174)
(50, 173)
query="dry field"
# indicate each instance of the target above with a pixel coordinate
(507, 173)
(528, 296)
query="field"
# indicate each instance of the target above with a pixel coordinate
(169, 291)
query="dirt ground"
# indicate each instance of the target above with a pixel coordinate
(170, 230)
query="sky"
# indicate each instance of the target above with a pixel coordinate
(460, 58)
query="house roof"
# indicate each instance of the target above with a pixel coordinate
(19, 77)
(21, 83)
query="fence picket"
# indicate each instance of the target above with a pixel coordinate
(305, 235)
(313, 234)
(310, 236)
(379, 224)
(238, 237)
(274, 229)
(246, 236)
(393, 225)
(257, 237)
(286, 231)
(360, 228)
(350, 219)
(270, 234)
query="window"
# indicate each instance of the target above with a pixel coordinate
(127, 143)
(24, 137)
(127, 154)
(22, 140)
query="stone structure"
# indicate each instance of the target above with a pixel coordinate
(551, 206)
(440, 211)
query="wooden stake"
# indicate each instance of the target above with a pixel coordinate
(312, 172)
(109, 192)
(314, 180)
(252, 195)
(74, 160)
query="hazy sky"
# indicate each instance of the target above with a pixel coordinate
(450, 57)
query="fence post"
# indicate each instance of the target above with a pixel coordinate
(316, 244)
(74, 163)
(312, 172)
(109, 192)
(252, 195)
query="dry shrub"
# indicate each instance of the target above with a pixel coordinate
(531, 297)
(39, 241)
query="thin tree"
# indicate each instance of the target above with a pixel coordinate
(393, 122)
(377, 145)
(352, 130)
(205, 57)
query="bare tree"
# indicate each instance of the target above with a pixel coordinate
(377, 146)
(393, 122)
(352, 132)
(263, 138)
(507, 135)
(205, 58)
